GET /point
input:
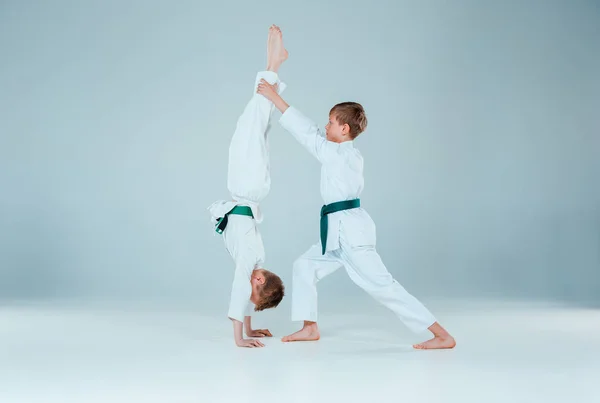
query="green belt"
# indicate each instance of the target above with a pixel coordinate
(332, 208)
(237, 210)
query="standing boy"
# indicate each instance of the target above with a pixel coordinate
(347, 230)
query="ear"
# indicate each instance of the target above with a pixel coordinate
(346, 129)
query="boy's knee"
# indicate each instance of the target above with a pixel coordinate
(375, 281)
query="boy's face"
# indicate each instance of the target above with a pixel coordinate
(257, 280)
(336, 132)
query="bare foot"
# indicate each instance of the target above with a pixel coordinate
(438, 342)
(307, 333)
(276, 53)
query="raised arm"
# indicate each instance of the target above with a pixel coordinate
(302, 128)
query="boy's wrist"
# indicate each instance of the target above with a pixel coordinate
(280, 104)
(238, 331)
(248, 323)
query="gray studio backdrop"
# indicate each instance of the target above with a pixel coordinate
(482, 155)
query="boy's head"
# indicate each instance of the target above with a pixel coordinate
(346, 121)
(267, 289)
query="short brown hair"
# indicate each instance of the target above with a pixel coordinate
(352, 114)
(271, 293)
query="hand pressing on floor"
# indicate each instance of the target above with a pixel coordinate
(258, 333)
(255, 332)
(238, 336)
(249, 343)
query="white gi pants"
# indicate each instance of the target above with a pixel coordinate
(248, 181)
(365, 267)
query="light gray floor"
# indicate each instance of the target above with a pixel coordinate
(507, 352)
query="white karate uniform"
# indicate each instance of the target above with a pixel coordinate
(351, 234)
(249, 182)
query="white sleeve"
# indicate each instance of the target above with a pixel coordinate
(250, 309)
(241, 291)
(308, 134)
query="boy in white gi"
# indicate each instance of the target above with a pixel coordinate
(347, 230)
(249, 182)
